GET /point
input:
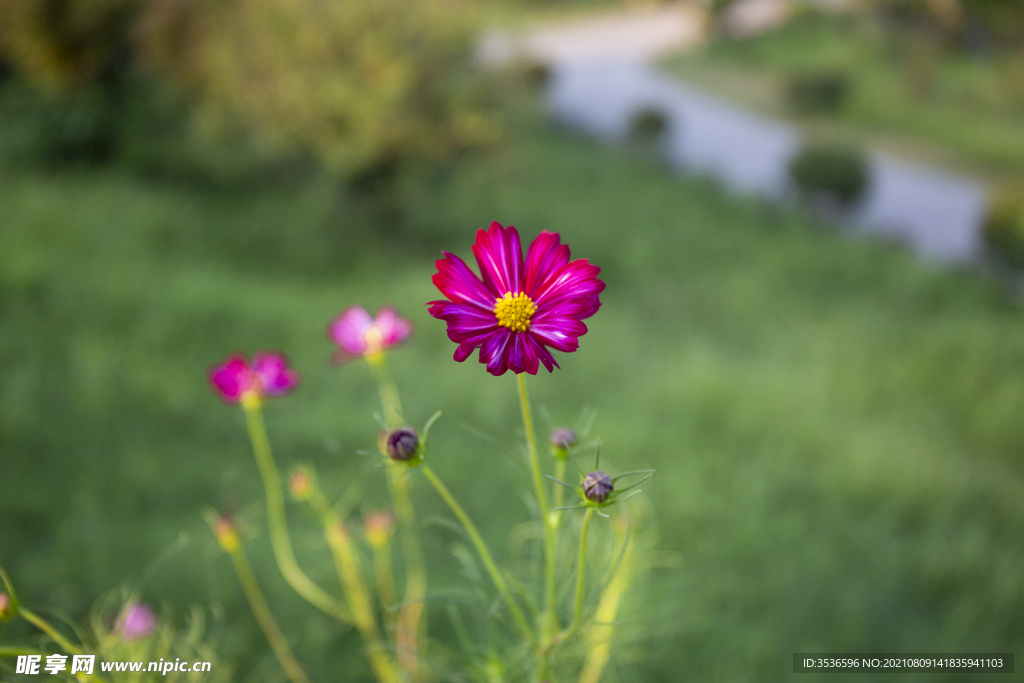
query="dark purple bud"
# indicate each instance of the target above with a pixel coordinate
(403, 444)
(597, 486)
(561, 439)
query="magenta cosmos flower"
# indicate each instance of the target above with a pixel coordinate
(236, 380)
(356, 334)
(520, 310)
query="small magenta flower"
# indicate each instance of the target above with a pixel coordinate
(357, 335)
(136, 621)
(235, 380)
(519, 310)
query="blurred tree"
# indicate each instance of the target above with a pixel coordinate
(358, 84)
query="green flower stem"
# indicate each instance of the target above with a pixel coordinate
(580, 575)
(45, 627)
(347, 562)
(264, 617)
(550, 620)
(481, 548)
(410, 616)
(279, 538)
(601, 630)
(559, 493)
(384, 576)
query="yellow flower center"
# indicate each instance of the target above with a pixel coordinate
(514, 312)
(374, 340)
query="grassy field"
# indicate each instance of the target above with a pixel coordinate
(836, 426)
(970, 117)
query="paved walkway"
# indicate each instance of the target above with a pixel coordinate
(601, 79)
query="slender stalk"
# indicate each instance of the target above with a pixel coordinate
(580, 575)
(600, 636)
(347, 562)
(410, 616)
(481, 548)
(261, 611)
(550, 619)
(45, 627)
(558, 494)
(382, 570)
(279, 538)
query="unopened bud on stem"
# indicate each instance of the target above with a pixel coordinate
(6, 607)
(301, 484)
(403, 444)
(597, 486)
(224, 530)
(561, 440)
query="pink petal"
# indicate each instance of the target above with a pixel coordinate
(466, 348)
(393, 329)
(577, 280)
(544, 258)
(545, 356)
(558, 332)
(348, 330)
(492, 351)
(459, 284)
(275, 377)
(231, 378)
(464, 321)
(499, 255)
(521, 355)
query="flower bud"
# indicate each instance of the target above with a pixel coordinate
(561, 440)
(224, 530)
(403, 444)
(597, 486)
(378, 527)
(6, 607)
(137, 621)
(301, 484)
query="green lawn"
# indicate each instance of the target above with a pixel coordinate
(971, 118)
(836, 426)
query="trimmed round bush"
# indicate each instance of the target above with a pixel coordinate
(818, 92)
(1003, 230)
(835, 171)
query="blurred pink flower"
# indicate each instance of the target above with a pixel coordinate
(136, 621)
(520, 309)
(269, 375)
(356, 334)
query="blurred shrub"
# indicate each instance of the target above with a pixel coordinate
(818, 92)
(65, 44)
(1003, 231)
(535, 75)
(355, 84)
(835, 171)
(49, 128)
(648, 124)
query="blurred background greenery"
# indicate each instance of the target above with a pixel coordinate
(836, 425)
